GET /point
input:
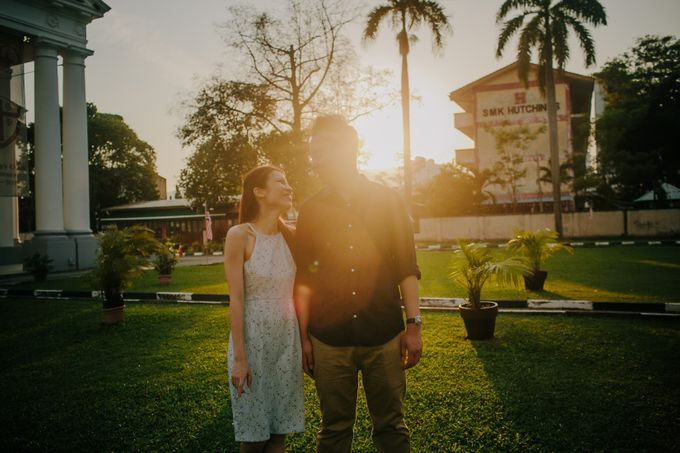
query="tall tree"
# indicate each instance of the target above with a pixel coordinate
(543, 25)
(637, 132)
(222, 124)
(122, 166)
(292, 53)
(512, 144)
(404, 16)
(293, 64)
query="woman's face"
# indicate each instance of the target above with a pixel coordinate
(276, 192)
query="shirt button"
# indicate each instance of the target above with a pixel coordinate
(352, 270)
(349, 226)
(354, 293)
(354, 316)
(351, 247)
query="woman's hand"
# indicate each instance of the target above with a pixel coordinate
(307, 356)
(240, 376)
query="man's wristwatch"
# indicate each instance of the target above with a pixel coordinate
(417, 320)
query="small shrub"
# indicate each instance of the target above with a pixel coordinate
(165, 260)
(39, 265)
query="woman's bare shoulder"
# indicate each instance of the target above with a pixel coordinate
(238, 233)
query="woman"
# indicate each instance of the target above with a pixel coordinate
(264, 344)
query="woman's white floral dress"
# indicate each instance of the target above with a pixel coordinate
(275, 403)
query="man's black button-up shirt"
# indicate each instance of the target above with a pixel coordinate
(352, 255)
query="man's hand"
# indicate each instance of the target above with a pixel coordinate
(411, 346)
(307, 356)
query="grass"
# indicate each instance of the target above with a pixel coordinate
(159, 382)
(633, 274)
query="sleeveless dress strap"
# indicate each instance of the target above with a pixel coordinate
(252, 228)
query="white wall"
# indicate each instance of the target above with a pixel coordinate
(576, 224)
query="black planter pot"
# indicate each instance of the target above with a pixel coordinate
(480, 324)
(535, 280)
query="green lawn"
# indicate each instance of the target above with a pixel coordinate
(159, 382)
(635, 274)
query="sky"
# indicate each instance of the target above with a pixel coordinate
(152, 54)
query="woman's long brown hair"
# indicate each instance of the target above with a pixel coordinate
(249, 209)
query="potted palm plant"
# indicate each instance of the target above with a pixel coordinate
(472, 266)
(164, 263)
(536, 247)
(122, 255)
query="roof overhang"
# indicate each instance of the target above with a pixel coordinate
(465, 95)
(59, 23)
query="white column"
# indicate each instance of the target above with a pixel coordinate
(49, 213)
(7, 219)
(76, 179)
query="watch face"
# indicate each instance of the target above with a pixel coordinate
(417, 320)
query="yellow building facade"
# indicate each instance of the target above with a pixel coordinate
(500, 105)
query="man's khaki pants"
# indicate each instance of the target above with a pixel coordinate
(336, 376)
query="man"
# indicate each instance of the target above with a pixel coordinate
(356, 265)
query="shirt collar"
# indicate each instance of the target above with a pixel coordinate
(360, 184)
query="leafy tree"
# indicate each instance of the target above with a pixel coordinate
(637, 132)
(512, 143)
(404, 16)
(291, 54)
(294, 64)
(212, 172)
(225, 108)
(456, 190)
(481, 181)
(547, 31)
(566, 171)
(122, 166)
(223, 123)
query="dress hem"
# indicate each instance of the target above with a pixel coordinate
(272, 434)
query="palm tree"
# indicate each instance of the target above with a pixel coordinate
(473, 264)
(546, 30)
(480, 181)
(404, 16)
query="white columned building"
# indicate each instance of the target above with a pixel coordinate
(49, 33)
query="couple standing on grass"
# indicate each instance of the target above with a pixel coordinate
(325, 298)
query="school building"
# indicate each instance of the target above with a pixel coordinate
(501, 102)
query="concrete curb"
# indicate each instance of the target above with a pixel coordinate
(671, 309)
(575, 244)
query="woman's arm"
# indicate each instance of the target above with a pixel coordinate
(303, 253)
(235, 247)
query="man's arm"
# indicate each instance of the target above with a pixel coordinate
(408, 273)
(411, 340)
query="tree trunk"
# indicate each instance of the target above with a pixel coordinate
(406, 120)
(539, 185)
(552, 133)
(295, 98)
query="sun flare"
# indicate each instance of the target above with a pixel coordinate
(432, 133)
